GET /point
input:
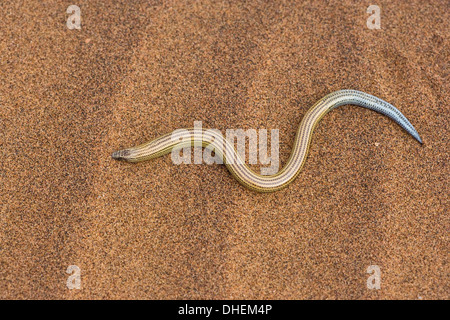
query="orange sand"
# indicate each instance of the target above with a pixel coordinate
(369, 194)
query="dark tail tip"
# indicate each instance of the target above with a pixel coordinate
(418, 138)
(412, 131)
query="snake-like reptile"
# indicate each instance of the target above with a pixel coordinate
(250, 179)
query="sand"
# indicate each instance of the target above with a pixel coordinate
(369, 194)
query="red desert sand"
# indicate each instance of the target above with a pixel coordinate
(369, 194)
